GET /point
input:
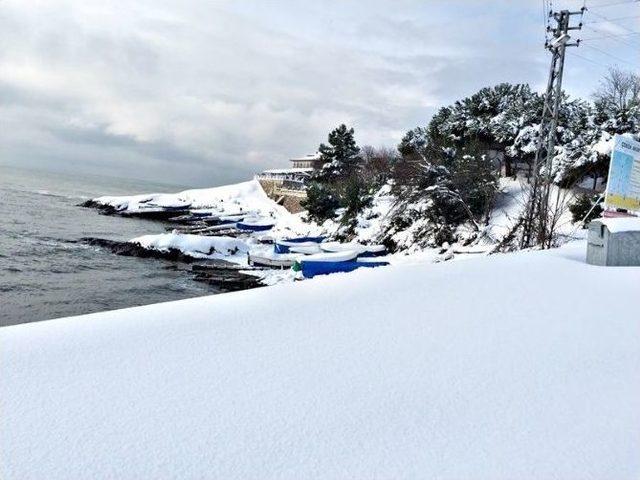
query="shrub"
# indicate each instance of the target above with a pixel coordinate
(581, 206)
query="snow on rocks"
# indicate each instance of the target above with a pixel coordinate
(226, 200)
(459, 370)
(195, 246)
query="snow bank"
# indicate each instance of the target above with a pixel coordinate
(449, 371)
(194, 245)
(228, 199)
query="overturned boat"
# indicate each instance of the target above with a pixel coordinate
(255, 224)
(286, 245)
(335, 262)
(267, 260)
(362, 250)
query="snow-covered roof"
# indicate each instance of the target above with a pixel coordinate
(312, 156)
(621, 224)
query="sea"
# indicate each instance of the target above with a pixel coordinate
(45, 273)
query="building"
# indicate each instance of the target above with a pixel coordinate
(287, 186)
(313, 161)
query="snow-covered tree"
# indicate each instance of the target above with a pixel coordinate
(341, 156)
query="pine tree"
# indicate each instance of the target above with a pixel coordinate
(321, 203)
(341, 156)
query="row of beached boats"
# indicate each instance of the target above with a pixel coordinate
(311, 255)
(315, 256)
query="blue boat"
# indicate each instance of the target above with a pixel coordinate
(254, 225)
(326, 263)
(311, 269)
(283, 246)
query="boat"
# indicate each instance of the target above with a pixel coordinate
(336, 262)
(271, 261)
(305, 239)
(202, 213)
(255, 225)
(306, 249)
(363, 250)
(284, 246)
(231, 218)
(332, 257)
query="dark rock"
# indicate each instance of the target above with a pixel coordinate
(102, 208)
(224, 275)
(129, 249)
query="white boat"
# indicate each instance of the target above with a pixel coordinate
(306, 249)
(344, 256)
(367, 250)
(271, 261)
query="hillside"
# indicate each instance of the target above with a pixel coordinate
(512, 366)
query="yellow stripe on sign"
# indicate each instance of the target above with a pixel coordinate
(618, 201)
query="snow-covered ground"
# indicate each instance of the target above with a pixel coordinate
(196, 246)
(512, 366)
(225, 200)
(230, 200)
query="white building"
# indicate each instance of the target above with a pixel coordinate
(295, 177)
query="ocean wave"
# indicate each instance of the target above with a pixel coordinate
(47, 193)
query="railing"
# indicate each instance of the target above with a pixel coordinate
(288, 177)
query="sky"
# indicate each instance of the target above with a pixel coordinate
(210, 92)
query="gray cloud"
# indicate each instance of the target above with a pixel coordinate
(210, 92)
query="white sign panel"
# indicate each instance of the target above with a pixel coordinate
(623, 185)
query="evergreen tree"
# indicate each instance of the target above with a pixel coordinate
(321, 203)
(341, 156)
(583, 205)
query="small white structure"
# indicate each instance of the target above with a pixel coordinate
(294, 178)
(312, 161)
(614, 242)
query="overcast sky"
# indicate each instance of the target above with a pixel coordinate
(208, 92)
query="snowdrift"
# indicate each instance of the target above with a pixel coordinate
(226, 200)
(517, 366)
(195, 246)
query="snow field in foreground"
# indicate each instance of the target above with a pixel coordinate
(512, 366)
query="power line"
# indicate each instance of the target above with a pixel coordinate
(616, 19)
(610, 21)
(611, 36)
(611, 4)
(607, 36)
(609, 55)
(590, 60)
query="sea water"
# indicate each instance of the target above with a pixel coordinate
(46, 273)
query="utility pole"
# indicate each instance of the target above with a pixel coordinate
(535, 229)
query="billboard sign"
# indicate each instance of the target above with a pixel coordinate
(623, 184)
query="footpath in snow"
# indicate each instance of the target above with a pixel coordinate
(520, 366)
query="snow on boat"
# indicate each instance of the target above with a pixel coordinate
(232, 218)
(333, 257)
(284, 246)
(271, 261)
(202, 213)
(306, 249)
(255, 224)
(363, 250)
